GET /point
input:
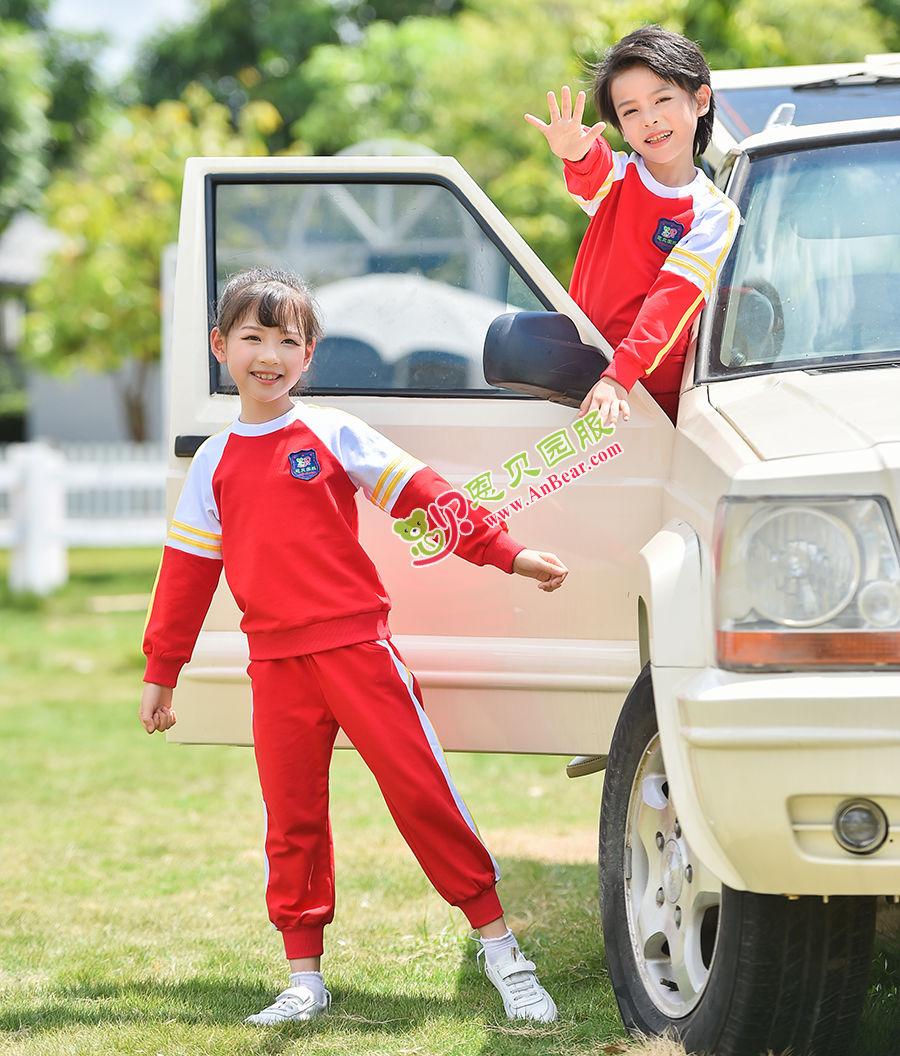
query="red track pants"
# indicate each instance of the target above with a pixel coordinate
(298, 705)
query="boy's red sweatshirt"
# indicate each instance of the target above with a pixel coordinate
(647, 263)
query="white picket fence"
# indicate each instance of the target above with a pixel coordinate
(91, 495)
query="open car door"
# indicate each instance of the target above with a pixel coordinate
(412, 265)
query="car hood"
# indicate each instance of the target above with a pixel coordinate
(800, 413)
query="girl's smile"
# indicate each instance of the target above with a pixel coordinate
(265, 363)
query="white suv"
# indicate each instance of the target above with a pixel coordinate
(729, 636)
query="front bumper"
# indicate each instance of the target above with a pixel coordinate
(759, 764)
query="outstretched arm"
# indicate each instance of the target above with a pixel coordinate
(567, 136)
(547, 569)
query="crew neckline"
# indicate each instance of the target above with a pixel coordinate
(264, 428)
(662, 190)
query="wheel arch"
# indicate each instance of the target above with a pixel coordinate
(674, 633)
(672, 624)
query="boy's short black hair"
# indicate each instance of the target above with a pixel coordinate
(672, 57)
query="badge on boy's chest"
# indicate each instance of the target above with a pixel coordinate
(304, 464)
(668, 234)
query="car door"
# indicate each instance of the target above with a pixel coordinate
(412, 263)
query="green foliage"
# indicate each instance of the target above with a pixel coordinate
(74, 92)
(30, 13)
(61, 73)
(736, 33)
(98, 302)
(246, 50)
(461, 87)
(890, 9)
(24, 130)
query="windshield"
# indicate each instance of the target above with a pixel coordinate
(814, 276)
(744, 111)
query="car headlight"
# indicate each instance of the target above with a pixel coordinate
(807, 582)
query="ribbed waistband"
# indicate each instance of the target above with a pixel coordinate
(319, 637)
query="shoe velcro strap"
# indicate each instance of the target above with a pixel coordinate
(513, 968)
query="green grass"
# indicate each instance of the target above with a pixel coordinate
(131, 877)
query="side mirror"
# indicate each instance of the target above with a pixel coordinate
(541, 354)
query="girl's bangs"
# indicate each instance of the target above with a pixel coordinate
(279, 306)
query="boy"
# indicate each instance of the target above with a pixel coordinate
(659, 229)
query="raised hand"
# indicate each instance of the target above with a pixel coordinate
(567, 136)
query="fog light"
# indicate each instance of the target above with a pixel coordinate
(860, 826)
(879, 604)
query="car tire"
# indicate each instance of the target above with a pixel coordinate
(724, 971)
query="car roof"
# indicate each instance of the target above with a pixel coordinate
(874, 70)
(773, 76)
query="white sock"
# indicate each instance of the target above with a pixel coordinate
(313, 981)
(495, 949)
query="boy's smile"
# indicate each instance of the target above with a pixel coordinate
(265, 363)
(659, 120)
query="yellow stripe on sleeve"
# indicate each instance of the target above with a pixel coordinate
(196, 531)
(391, 477)
(687, 258)
(215, 548)
(705, 279)
(385, 476)
(675, 335)
(411, 465)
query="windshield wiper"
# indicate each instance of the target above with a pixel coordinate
(850, 81)
(829, 368)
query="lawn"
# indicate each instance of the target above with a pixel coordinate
(131, 876)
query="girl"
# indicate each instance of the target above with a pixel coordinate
(271, 499)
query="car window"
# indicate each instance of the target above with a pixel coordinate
(407, 279)
(814, 277)
(744, 111)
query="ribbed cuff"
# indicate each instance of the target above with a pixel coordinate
(501, 552)
(586, 164)
(483, 908)
(163, 672)
(304, 942)
(625, 370)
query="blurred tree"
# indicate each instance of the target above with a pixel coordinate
(68, 77)
(737, 33)
(24, 128)
(97, 306)
(244, 50)
(76, 95)
(30, 13)
(891, 11)
(461, 85)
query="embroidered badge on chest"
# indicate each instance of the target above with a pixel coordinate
(668, 234)
(304, 464)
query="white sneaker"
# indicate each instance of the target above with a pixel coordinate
(293, 1005)
(523, 996)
